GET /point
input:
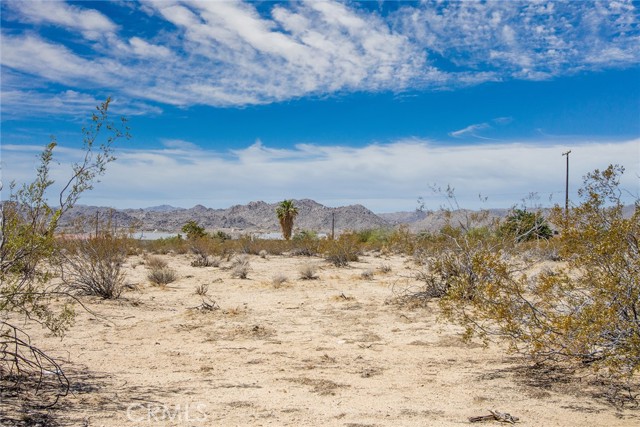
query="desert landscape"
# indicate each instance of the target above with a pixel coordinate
(338, 350)
(319, 213)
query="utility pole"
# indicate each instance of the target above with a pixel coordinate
(566, 187)
(333, 225)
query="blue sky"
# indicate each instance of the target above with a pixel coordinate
(342, 102)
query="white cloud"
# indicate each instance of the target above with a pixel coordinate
(229, 54)
(383, 177)
(33, 55)
(91, 23)
(141, 47)
(66, 103)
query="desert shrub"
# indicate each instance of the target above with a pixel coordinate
(202, 290)
(385, 268)
(278, 280)
(154, 262)
(585, 313)
(202, 248)
(28, 249)
(367, 274)
(162, 276)
(523, 226)
(240, 267)
(193, 230)
(93, 266)
(166, 245)
(401, 240)
(304, 235)
(221, 236)
(340, 252)
(305, 243)
(307, 271)
(263, 254)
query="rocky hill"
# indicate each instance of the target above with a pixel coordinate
(253, 217)
(260, 217)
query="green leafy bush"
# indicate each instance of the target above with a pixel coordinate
(193, 230)
(523, 226)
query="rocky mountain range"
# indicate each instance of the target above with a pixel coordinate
(260, 217)
(253, 217)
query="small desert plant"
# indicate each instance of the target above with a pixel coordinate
(240, 267)
(154, 262)
(307, 271)
(278, 280)
(385, 269)
(202, 289)
(162, 276)
(263, 254)
(367, 274)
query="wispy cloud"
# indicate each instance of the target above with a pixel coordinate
(89, 22)
(67, 103)
(475, 130)
(471, 130)
(383, 177)
(230, 53)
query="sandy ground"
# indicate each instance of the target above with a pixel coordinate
(325, 352)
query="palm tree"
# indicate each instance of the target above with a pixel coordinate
(286, 212)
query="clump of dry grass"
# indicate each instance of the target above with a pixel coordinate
(385, 269)
(367, 274)
(240, 267)
(278, 280)
(202, 290)
(307, 271)
(154, 262)
(162, 276)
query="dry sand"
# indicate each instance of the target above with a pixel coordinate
(325, 352)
